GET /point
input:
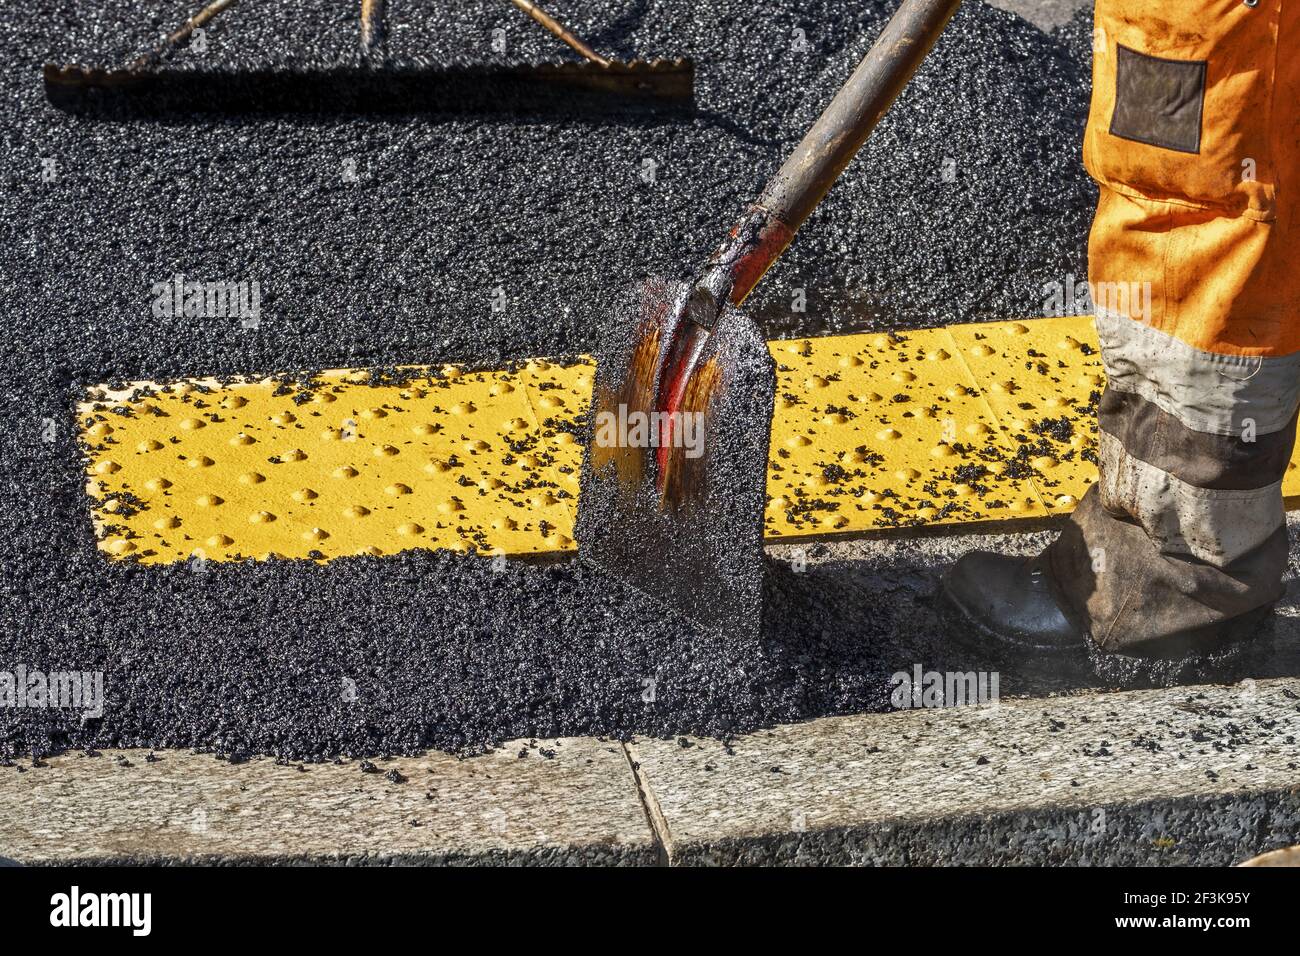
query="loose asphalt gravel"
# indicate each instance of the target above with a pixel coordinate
(970, 197)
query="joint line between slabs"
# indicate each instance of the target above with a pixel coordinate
(654, 816)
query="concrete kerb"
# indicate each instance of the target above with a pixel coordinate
(1193, 775)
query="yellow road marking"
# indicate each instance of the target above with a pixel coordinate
(962, 424)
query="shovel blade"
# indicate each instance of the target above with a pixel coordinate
(698, 550)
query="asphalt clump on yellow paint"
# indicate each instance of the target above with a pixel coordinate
(427, 240)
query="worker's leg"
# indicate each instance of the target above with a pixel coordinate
(1181, 544)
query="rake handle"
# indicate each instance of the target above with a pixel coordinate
(560, 31)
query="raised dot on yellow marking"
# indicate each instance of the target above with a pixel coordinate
(798, 441)
(996, 468)
(100, 430)
(500, 388)
(981, 350)
(962, 491)
(261, 517)
(476, 446)
(323, 398)
(157, 484)
(816, 381)
(907, 474)
(220, 541)
(564, 438)
(437, 466)
(192, 424)
(942, 450)
(242, 439)
(1066, 501)
(209, 501)
(283, 418)
(397, 490)
(505, 524)
(294, 454)
(315, 534)
(145, 447)
(107, 467)
(543, 500)
(305, 494)
(410, 529)
(903, 375)
(373, 413)
(957, 391)
(450, 506)
(834, 419)
(463, 408)
(385, 451)
(1017, 328)
(850, 361)
(1069, 344)
(514, 425)
(232, 402)
(889, 434)
(927, 514)
(168, 522)
(551, 401)
(424, 428)
(119, 545)
(356, 511)
(937, 355)
(251, 478)
(368, 551)
(452, 372)
(112, 506)
(346, 471)
(1043, 462)
(873, 397)
(978, 428)
(881, 342)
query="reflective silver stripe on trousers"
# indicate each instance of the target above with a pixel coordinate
(1211, 393)
(1182, 520)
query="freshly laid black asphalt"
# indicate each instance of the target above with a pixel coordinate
(969, 199)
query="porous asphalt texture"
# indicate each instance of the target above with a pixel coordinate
(969, 198)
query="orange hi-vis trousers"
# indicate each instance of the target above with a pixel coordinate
(1194, 264)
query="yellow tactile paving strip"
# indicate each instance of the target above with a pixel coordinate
(953, 425)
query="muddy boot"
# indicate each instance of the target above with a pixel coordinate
(1007, 601)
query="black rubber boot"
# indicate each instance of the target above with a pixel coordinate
(1008, 600)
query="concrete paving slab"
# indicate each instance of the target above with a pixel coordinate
(572, 800)
(1198, 775)
(1044, 14)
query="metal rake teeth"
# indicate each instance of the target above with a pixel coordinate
(362, 88)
